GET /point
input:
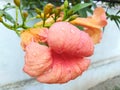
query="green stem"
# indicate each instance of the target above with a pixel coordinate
(11, 28)
(44, 21)
(16, 22)
(55, 17)
(65, 15)
(7, 25)
(23, 19)
(21, 15)
(30, 19)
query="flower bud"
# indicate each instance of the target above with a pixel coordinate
(57, 11)
(25, 14)
(62, 7)
(38, 11)
(1, 19)
(73, 17)
(42, 15)
(66, 4)
(48, 8)
(38, 16)
(70, 12)
(17, 2)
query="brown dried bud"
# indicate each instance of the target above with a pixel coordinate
(17, 2)
(1, 19)
(25, 14)
(57, 11)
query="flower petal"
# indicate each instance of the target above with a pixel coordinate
(64, 69)
(52, 75)
(65, 38)
(37, 59)
(98, 20)
(95, 34)
(100, 16)
(33, 34)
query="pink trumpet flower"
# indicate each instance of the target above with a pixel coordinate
(64, 57)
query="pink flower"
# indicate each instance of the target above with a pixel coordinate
(63, 59)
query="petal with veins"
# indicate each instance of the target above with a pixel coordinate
(37, 59)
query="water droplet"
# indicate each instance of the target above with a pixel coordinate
(72, 31)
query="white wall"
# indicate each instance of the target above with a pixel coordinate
(105, 63)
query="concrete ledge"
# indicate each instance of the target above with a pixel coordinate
(109, 84)
(29, 84)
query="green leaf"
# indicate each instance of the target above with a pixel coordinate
(117, 23)
(8, 17)
(80, 28)
(80, 6)
(118, 12)
(7, 7)
(90, 11)
(83, 13)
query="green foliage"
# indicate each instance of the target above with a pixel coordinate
(71, 8)
(115, 18)
(8, 17)
(80, 6)
(5, 14)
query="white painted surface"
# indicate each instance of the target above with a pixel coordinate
(12, 61)
(110, 43)
(11, 57)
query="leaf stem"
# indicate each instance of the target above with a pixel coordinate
(11, 27)
(16, 22)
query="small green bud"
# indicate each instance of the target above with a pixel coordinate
(38, 11)
(17, 2)
(70, 12)
(42, 15)
(66, 4)
(73, 17)
(62, 7)
(37, 16)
